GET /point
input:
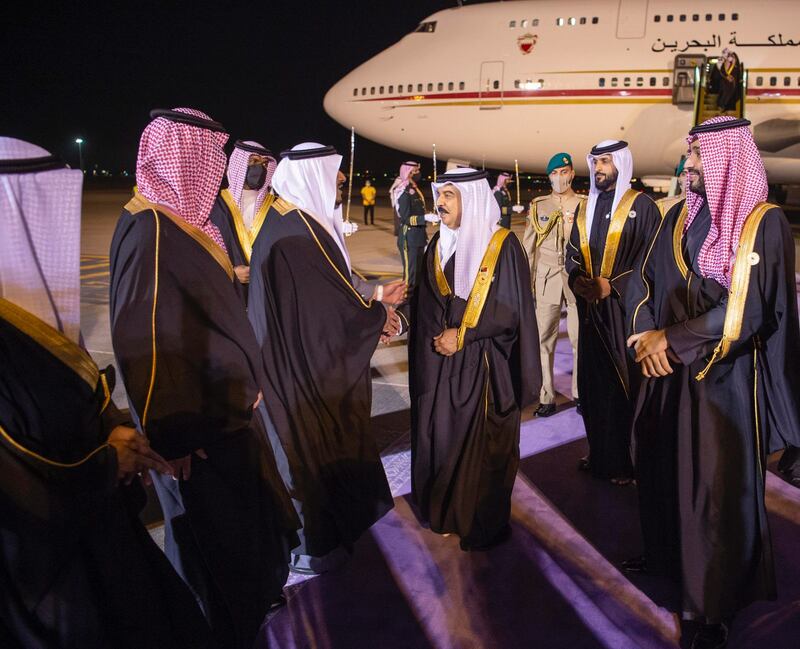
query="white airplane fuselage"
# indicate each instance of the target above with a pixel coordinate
(491, 83)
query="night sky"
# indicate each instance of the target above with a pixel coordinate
(94, 70)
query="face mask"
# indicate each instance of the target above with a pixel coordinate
(560, 184)
(256, 177)
(415, 177)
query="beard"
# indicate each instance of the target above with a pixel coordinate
(698, 184)
(604, 181)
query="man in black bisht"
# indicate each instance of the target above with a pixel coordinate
(473, 365)
(317, 334)
(607, 241)
(193, 374)
(77, 567)
(716, 335)
(240, 208)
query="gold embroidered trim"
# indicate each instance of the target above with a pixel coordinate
(283, 206)
(68, 352)
(247, 237)
(153, 325)
(441, 280)
(61, 465)
(644, 279)
(365, 304)
(740, 283)
(614, 235)
(139, 204)
(677, 238)
(482, 284)
(665, 204)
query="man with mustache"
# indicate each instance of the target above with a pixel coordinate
(716, 335)
(473, 365)
(603, 249)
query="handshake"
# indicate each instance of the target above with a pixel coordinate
(391, 295)
(653, 353)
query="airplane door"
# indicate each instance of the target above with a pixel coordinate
(632, 18)
(490, 91)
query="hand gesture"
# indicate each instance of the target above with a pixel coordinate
(394, 292)
(134, 455)
(446, 343)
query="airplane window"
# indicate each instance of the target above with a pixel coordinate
(355, 92)
(535, 22)
(683, 18)
(656, 18)
(461, 85)
(391, 90)
(722, 16)
(583, 20)
(652, 81)
(614, 82)
(450, 85)
(513, 23)
(602, 82)
(572, 21)
(560, 22)
(695, 17)
(381, 90)
(760, 81)
(430, 87)
(670, 18)
(627, 82)
(787, 81)
(440, 86)
(496, 84)
(639, 81)
(427, 28)
(709, 16)
(541, 83)
(419, 87)
(372, 90)
(665, 81)
(595, 20)
(773, 81)
(363, 91)
(524, 23)
(516, 83)
(734, 16)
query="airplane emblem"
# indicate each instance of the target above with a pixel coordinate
(526, 43)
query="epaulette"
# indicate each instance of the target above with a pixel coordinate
(282, 206)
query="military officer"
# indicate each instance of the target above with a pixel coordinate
(665, 204)
(411, 210)
(503, 198)
(549, 225)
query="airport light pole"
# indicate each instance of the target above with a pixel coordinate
(79, 142)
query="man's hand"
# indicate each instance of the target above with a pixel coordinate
(446, 343)
(392, 327)
(582, 287)
(242, 273)
(134, 455)
(656, 365)
(182, 467)
(602, 288)
(394, 292)
(648, 343)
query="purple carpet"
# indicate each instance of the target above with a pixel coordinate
(553, 584)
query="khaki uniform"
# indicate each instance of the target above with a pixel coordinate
(544, 242)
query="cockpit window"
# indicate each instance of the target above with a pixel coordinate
(427, 28)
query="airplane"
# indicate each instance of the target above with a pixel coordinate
(496, 82)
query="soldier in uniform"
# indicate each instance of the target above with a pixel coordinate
(549, 227)
(668, 202)
(503, 198)
(411, 210)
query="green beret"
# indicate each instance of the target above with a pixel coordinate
(679, 168)
(557, 161)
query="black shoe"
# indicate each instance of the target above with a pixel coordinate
(711, 636)
(583, 464)
(636, 565)
(578, 408)
(545, 410)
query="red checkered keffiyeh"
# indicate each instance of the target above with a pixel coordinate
(735, 183)
(181, 166)
(237, 170)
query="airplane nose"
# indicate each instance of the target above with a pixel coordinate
(335, 101)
